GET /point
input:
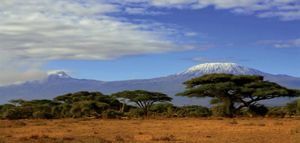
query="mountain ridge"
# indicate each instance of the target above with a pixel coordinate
(232, 68)
(61, 83)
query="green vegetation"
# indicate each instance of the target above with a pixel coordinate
(232, 95)
(143, 99)
(79, 104)
(234, 92)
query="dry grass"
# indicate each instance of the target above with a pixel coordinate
(244, 130)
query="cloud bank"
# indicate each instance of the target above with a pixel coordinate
(34, 32)
(283, 9)
(293, 43)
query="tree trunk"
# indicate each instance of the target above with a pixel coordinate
(229, 107)
(123, 107)
(146, 112)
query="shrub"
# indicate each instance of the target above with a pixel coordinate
(161, 107)
(218, 110)
(293, 108)
(42, 115)
(4, 108)
(258, 110)
(135, 112)
(277, 112)
(111, 114)
(13, 113)
(193, 111)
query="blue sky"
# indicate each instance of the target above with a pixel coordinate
(135, 39)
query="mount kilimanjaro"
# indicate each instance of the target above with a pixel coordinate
(60, 83)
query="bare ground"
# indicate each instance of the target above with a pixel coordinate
(185, 130)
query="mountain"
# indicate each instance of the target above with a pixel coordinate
(59, 83)
(208, 68)
(55, 84)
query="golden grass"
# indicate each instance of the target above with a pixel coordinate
(190, 130)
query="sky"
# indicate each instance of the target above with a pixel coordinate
(136, 39)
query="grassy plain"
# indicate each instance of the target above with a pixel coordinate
(185, 130)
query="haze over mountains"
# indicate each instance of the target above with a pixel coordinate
(60, 83)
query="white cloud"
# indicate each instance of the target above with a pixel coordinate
(142, 11)
(171, 2)
(293, 43)
(213, 60)
(34, 32)
(283, 9)
(15, 77)
(209, 60)
(285, 15)
(191, 34)
(131, 10)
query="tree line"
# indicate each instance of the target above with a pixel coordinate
(231, 96)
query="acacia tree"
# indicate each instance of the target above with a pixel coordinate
(85, 103)
(143, 99)
(235, 92)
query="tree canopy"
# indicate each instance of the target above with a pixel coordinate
(143, 99)
(235, 91)
(86, 103)
(95, 104)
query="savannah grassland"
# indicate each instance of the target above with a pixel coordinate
(198, 130)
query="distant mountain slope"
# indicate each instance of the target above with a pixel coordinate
(60, 83)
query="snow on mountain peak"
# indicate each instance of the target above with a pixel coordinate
(58, 74)
(230, 68)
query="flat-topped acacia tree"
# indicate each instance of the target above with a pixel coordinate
(143, 99)
(84, 103)
(235, 92)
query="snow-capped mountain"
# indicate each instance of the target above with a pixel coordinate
(231, 68)
(58, 83)
(58, 75)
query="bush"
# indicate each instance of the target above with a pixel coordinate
(135, 113)
(277, 112)
(258, 110)
(4, 108)
(13, 114)
(293, 108)
(88, 108)
(193, 111)
(218, 110)
(42, 115)
(111, 114)
(161, 107)
(61, 111)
